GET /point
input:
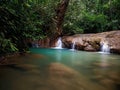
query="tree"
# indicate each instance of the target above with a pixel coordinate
(60, 14)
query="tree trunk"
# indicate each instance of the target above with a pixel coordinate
(58, 21)
(60, 14)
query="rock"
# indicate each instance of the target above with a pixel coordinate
(114, 76)
(89, 48)
(107, 83)
(61, 70)
(103, 65)
(44, 42)
(93, 42)
(25, 67)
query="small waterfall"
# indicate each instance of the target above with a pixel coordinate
(105, 47)
(59, 43)
(73, 45)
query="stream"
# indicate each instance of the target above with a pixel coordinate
(61, 69)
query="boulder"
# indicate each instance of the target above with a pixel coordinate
(93, 42)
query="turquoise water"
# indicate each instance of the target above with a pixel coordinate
(62, 69)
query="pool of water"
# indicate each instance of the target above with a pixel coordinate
(61, 69)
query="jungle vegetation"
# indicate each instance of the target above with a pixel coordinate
(37, 19)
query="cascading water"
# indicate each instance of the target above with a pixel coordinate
(105, 47)
(59, 43)
(73, 45)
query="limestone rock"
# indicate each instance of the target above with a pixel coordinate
(93, 42)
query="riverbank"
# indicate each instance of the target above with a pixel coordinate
(6, 59)
(17, 58)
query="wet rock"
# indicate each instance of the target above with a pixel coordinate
(25, 67)
(93, 42)
(114, 76)
(102, 64)
(107, 83)
(69, 79)
(89, 48)
(61, 70)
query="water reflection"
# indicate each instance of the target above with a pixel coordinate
(72, 58)
(62, 70)
(104, 61)
(58, 55)
(105, 72)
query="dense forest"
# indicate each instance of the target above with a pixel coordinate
(37, 19)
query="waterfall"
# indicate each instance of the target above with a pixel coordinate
(59, 43)
(73, 45)
(105, 47)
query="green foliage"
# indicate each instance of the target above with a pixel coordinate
(72, 18)
(92, 16)
(92, 23)
(34, 19)
(24, 19)
(6, 46)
